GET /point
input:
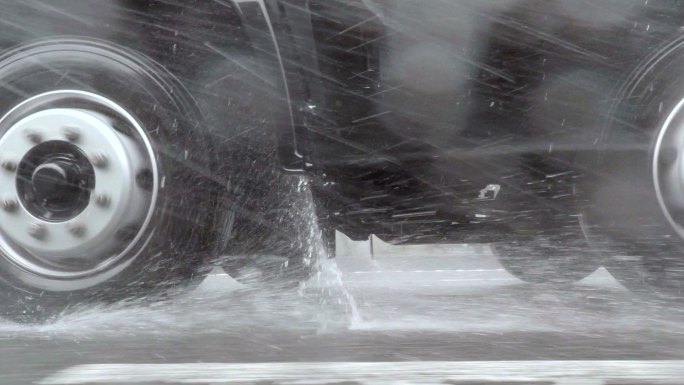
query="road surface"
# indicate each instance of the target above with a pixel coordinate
(447, 320)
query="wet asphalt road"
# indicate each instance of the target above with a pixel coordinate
(466, 309)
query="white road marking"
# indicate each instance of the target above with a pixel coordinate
(426, 271)
(477, 279)
(378, 373)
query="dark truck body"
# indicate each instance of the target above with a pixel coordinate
(465, 121)
(450, 123)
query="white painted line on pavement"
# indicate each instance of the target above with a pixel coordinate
(378, 373)
(427, 271)
(479, 279)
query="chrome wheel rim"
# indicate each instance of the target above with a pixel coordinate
(668, 168)
(97, 151)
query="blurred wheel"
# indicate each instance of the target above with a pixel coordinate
(274, 241)
(637, 205)
(557, 258)
(99, 189)
(545, 241)
(269, 217)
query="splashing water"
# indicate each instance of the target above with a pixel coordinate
(320, 304)
(328, 281)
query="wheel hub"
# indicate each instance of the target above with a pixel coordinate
(68, 183)
(55, 181)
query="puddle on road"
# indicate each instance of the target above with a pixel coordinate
(333, 302)
(227, 309)
(327, 304)
(519, 308)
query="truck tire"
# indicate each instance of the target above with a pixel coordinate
(636, 205)
(270, 236)
(107, 191)
(548, 259)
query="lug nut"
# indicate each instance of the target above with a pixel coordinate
(76, 229)
(8, 165)
(102, 200)
(99, 160)
(37, 230)
(34, 137)
(71, 134)
(9, 205)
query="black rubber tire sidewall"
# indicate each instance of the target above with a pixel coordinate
(265, 208)
(645, 249)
